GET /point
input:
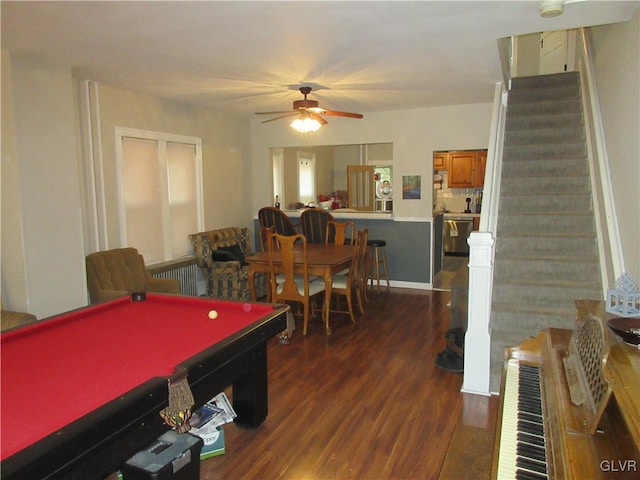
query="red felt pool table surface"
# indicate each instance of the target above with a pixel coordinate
(76, 362)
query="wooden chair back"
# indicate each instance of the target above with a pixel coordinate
(265, 232)
(291, 286)
(351, 285)
(274, 217)
(283, 246)
(313, 222)
(340, 233)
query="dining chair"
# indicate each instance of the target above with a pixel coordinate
(265, 232)
(292, 287)
(274, 217)
(313, 222)
(354, 282)
(340, 233)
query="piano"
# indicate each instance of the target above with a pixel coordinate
(570, 404)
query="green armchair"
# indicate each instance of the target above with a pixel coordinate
(121, 271)
(220, 255)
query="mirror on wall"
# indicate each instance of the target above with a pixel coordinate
(317, 175)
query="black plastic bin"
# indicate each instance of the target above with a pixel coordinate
(172, 456)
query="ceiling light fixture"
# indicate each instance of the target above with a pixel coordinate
(551, 8)
(305, 123)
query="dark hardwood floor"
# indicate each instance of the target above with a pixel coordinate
(365, 403)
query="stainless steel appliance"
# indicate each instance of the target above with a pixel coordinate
(455, 234)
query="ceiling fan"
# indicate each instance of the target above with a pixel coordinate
(308, 113)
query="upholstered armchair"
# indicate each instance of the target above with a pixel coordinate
(12, 319)
(220, 255)
(121, 271)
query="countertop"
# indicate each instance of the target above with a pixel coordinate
(453, 215)
(347, 213)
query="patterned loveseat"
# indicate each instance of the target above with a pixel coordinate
(220, 256)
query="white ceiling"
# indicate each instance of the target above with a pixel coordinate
(244, 57)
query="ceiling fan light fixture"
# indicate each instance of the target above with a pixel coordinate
(305, 124)
(551, 8)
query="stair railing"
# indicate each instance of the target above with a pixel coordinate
(608, 233)
(481, 255)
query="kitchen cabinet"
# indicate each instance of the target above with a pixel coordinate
(465, 167)
(481, 166)
(462, 169)
(440, 160)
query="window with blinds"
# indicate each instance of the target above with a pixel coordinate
(161, 192)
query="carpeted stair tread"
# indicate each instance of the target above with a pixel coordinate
(550, 310)
(541, 295)
(526, 256)
(539, 284)
(521, 122)
(543, 268)
(541, 223)
(554, 151)
(560, 202)
(511, 320)
(533, 166)
(547, 80)
(539, 135)
(545, 245)
(545, 107)
(546, 185)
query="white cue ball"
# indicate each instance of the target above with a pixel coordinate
(213, 314)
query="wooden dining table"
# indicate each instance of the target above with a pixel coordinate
(323, 260)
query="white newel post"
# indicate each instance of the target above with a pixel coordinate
(477, 344)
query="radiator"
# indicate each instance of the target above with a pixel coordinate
(185, 271)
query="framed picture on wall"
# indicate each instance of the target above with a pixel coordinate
(411, 187)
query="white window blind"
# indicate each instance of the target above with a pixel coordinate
(161, 193)
(306, 177)
(183, 199)
(143, 198)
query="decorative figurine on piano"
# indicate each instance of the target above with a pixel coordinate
(624, 299)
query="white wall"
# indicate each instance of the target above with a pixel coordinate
(13, 282)
(47, 243)
(618, 79)
(415, 135)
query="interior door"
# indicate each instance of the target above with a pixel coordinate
(361, 186)
(553, 52)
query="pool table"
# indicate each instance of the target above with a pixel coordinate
(82, 391)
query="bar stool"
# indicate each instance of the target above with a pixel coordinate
(377, 256)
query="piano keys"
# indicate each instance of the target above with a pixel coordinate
(522, 443)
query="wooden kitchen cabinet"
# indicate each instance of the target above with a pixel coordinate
(462, 169)
(440, 160)
(481, 166)
(465, 167)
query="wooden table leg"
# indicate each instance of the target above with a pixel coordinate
(251, 278)
(328, 282)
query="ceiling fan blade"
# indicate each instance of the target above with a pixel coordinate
(317, 117)
(273, 113)
(340, 114)
(281, 116)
